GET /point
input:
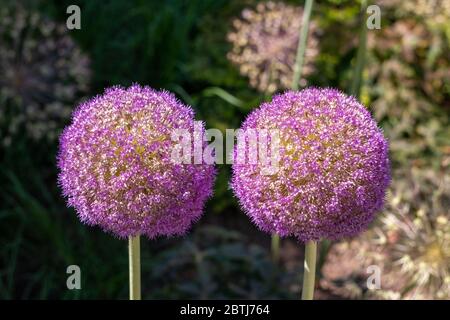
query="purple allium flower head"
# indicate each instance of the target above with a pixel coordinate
(116, 168)
(42, 72)
(333, 167)
(264, 45)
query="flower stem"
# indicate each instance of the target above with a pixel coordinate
(301, 49)
(309, 274)
(134, 256)
(322, 251)
(275, 248)
(361, 54)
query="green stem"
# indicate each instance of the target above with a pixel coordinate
(309, 274)
(303, 37)
(361, 55)
(275, 248)
(134, 256)
(322, 252)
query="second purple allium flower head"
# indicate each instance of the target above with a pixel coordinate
(116, 168)
(333, 167)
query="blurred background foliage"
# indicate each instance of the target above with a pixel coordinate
(182, 46)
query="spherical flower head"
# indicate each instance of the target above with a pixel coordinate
(414, 232)
(116, 167)
(409, 242)
(264, 45)
(420, 250)
(39, 81)
(333, 167)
